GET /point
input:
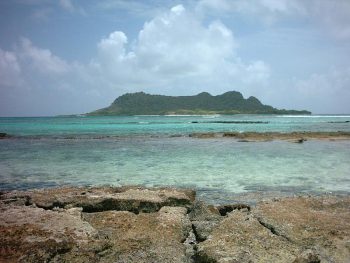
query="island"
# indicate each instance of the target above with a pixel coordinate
(231, 102)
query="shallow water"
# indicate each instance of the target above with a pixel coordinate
(49, 152)
(168, 125)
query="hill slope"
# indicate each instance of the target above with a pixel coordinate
(231, 102)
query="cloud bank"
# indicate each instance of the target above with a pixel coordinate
(174, 53)
(177, 52)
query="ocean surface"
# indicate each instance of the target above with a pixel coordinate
(157, 151)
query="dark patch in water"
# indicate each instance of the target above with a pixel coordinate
(233, 122)
(339, 122)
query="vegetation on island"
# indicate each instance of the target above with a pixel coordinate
(231, 102)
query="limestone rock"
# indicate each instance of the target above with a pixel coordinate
(204, 219)
(151, 237)
(133, 224)
(96, 199)
(29, 234)
(319, 223)
(63, 232)
(241, 238)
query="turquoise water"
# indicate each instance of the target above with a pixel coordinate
(167, 125)
(147, 150)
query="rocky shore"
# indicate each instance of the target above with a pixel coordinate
(134, 224)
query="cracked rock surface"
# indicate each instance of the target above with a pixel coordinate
(320, 223)
(64, 225)
(133, 224)
(290, 229)
(96, 199)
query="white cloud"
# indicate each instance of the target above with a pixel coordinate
(265, 9)
(67, 5)
(332, 16)
(42, 14)
(138, 8)
(9, 69)
(328, 92)
(113, 47)
(70, 7)
(130, 6)
(258, 72)
(42, 60)
(175, 50)
(174, 53)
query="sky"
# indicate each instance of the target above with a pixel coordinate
(74, 56)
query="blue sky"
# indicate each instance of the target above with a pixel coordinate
(75, 56)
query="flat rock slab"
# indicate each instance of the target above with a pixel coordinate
(133, 224)
(241, 238)
(152, 237)
(318, 223)
(29, 234)
(50, 225)
(96, 199)
(291, 229)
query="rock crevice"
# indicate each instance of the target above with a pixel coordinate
(133, 224)
(272, 229)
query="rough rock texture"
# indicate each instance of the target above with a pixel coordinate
(29, 234)
(132, 224)
(62, 232)
(290, 229)
(321, 224)
(152, 237)
(204, 218)
(241, 238)
(96, 199)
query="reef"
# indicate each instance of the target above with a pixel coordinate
(297, 137)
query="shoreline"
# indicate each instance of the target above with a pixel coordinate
(138, 224)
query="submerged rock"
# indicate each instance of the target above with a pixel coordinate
(298, 137)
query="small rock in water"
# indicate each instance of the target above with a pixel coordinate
(301, 140)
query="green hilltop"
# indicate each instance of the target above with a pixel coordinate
(231, 102)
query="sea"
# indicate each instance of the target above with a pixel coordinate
(156, 151)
